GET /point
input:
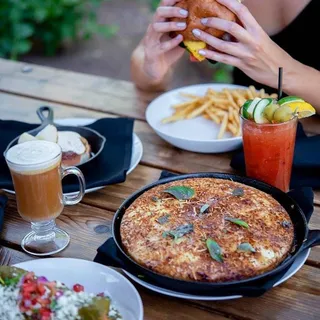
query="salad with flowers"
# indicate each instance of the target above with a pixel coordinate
(23, 295)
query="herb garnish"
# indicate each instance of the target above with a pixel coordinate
(1, 281)
(286, 224)
(214, 250)
(163, 219)
(180, 192)
(239, 222)
(204, 208)
(238, 192)
(245, 246)
(179, 232)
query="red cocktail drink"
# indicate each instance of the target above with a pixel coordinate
(268, 150)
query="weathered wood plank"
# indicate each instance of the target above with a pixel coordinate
(83, 90)
(291, 300)
(87, 91)
(10, 256)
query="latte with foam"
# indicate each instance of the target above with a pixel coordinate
(35, 171)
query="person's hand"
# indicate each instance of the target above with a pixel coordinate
(160, 50)
(253, 51)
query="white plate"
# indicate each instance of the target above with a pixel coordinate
(198, 134)
(295, 267)
(94, 277)
(137, 147)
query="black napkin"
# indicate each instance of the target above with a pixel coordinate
(306, 162)
(108, 253)
(3, 202)
(109, 167)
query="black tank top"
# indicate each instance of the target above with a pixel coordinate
(299, 39)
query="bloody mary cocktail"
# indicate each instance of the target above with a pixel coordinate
(268, 150)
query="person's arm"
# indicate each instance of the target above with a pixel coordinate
(140, 76)
(258, 56)
(153, 60)
(303, 81)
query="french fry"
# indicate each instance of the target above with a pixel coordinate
(236, 117)
(188, 95)
(186, 104)
(198, 111)
(172, 119)
(213, 116)
(223, 126)
(230, 114)
(232, 128)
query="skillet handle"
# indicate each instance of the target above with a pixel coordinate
(312, 240)
(45, 119)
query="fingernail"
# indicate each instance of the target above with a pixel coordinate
(179, 37)
(204, 21)
(181, 24)
(202, 52)
(184, 12)
(196, 32)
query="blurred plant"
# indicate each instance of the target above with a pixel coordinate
(154, 4)
(48, 24)
(222, 73)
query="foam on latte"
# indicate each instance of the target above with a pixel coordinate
(33, 156)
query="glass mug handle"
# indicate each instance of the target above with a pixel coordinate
(70, 200)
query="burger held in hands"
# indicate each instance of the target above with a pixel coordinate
(197, 11)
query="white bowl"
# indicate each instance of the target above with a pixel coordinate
(94, 277)
(198, 134)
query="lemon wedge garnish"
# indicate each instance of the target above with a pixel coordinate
(303, 109)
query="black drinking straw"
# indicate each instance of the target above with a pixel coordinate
(280, 83)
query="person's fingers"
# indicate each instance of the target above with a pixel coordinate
(231, 48)
(230, 27)
(163, 13)
(241, 11)
(170, 44)
(163, 27)
(220, 57)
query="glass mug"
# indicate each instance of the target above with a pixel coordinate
(35, 168)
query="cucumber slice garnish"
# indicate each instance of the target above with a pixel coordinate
(248, 108)
(244, 109)
(258, 113)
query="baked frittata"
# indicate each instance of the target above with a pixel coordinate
(206, 229)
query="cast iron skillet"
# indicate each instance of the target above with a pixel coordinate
(95, 139)
(304, 239)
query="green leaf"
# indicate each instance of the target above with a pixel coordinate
(246, 247)
(20, 47)
(239, 222)
(180, 192)
(286, 224)
(204, 208)
(155, 199)
(238, 192)
(214, 250)
(179, 232)
(24, 30)
(40, 14)
(164, 219)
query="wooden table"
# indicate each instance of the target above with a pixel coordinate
(23, 89)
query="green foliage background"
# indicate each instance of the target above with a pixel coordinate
(25, 24)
